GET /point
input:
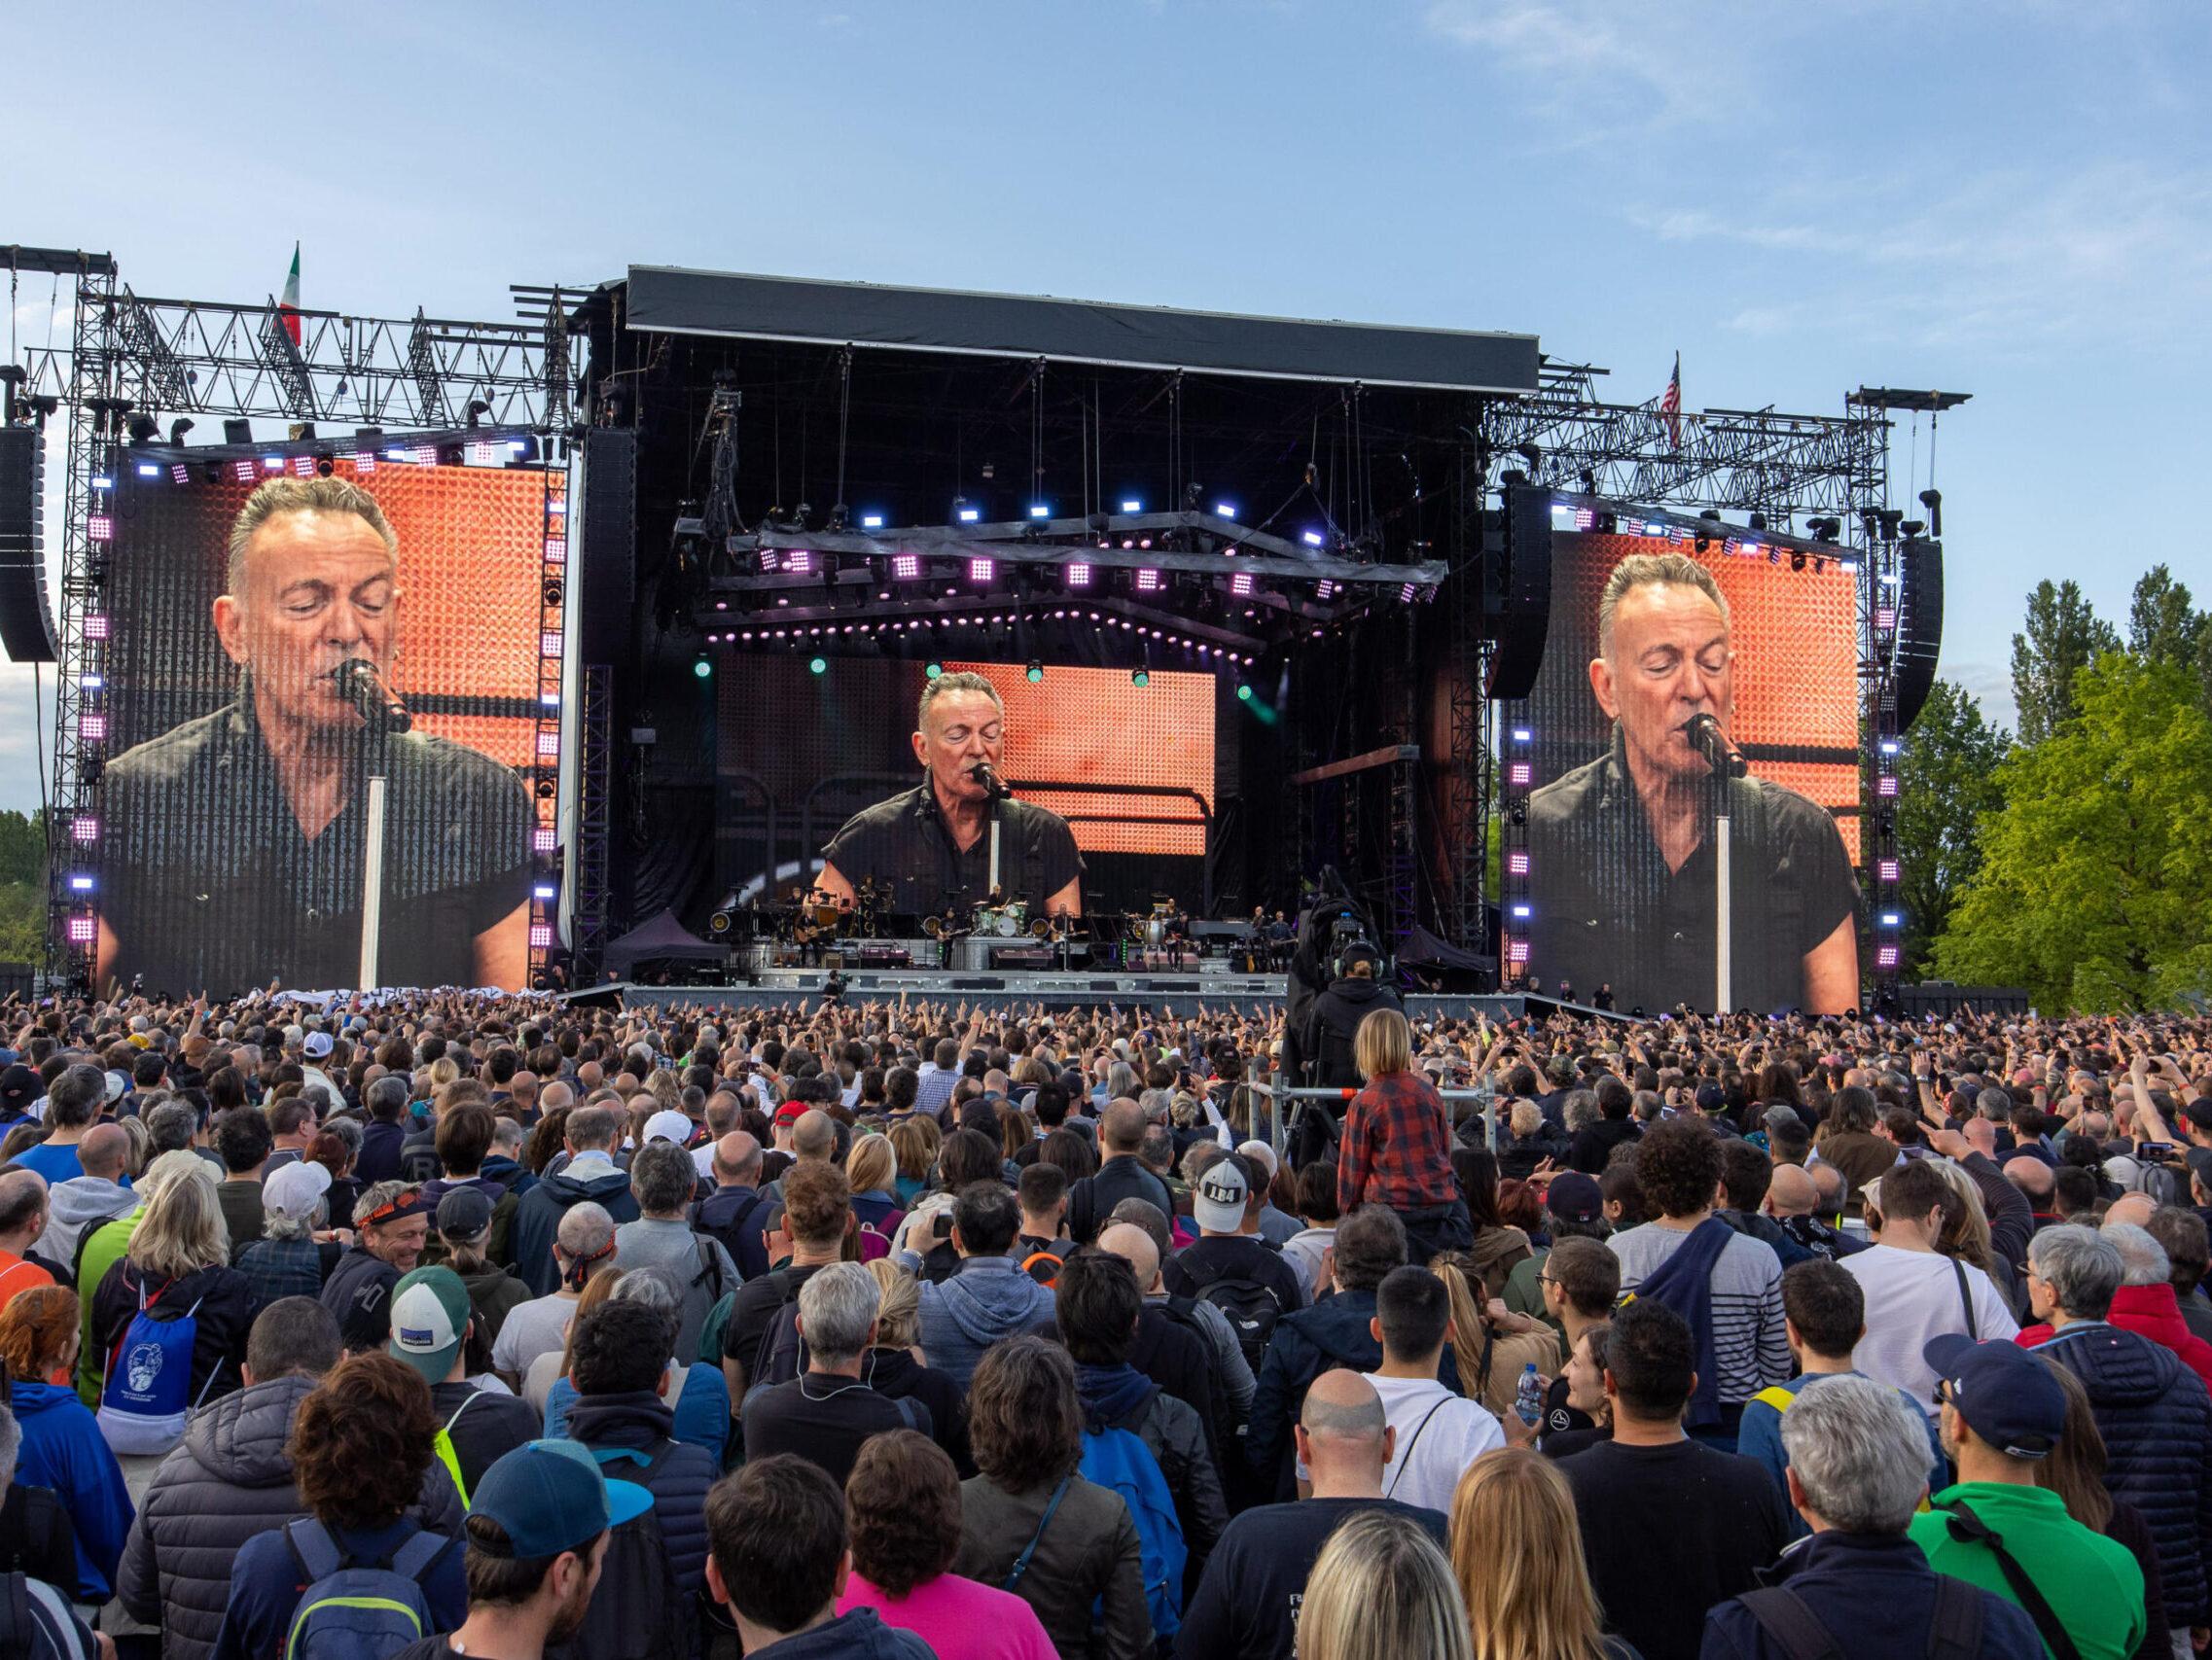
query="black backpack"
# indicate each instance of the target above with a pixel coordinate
(782, 1354)
(1252, 1310)
(1955, 1632)
(727, 1232)
(637, 1612)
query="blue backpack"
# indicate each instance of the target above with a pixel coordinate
(147, 1393)
(352, 1610)
(1119, 1460)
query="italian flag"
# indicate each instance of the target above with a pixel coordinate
(288, 308)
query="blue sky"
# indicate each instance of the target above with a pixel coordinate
(2013, 200)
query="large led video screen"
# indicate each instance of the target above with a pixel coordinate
(234, 799)
(1645, 635)
(1098, 765)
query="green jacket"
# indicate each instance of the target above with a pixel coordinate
(1524, 1290)
(101, 1250)
(2095, 1586)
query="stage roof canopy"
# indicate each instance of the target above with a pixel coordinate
(665, 299)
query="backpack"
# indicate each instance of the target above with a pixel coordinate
(36, 1622)
(782, 1354)
(638, 1612)
(728, 1231)
(873, 1244)
(1118, 1461)
(1043, 1266)
(1954, 1630)
(357, 1611)
(714, 1327)
(147, 1393)
(1252, 1311)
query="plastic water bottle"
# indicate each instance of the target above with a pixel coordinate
(1528, 1397)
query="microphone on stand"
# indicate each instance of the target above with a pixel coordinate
(359, 684)
(1706, 737)
(982, 774)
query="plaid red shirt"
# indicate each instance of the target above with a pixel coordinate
(1396, 1146)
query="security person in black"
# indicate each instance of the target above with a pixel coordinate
(932, 844)
(235, 843)
(1621, 850)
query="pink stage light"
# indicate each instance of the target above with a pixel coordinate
(96, 625)
(244, 471)
(1079, 575)
(1517, 950)
(1886, 957)
(800, 563)
(542, 840)
(541, 935)
(1885, 869)
(549, 643)
(303, 467)
(548, 746)
(1240, 584)
(100, 527)
(556, 550)
(84, 831)
(1516, 862)
(906, 566)
(981, 570)
(1148, 582)
(83, 929)
(179, 472)
(1520, 775)
(1886, 785)
(93, 728)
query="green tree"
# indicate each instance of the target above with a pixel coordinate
(2163, 623)
(1947, 778)
(2063, 637)
(23, 847)
(2095, 884)
(22, 886)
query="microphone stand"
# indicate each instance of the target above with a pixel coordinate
(378, 759)
(1722, 934)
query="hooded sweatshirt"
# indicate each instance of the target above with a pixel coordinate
(988, 1299)
(78, 1203)
(63, 1449)
(2147, 1311)
(538, 1212)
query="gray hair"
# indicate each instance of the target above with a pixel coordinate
(302, 495)
(388, 1092)
(171, 1127)
(1994, 1105)
(348, 1131)
(1861, 1453)
(1158, 1103)
(2082, 1268)
(965, 680)
(376, 1196)
(654, 1288)
(1579, 1110)
(593, 1129)
(661, 1175)
(278, 1224)
(1644, 570)
(2143, 1260)
(837, 1307)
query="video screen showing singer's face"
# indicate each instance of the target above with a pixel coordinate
(234, 821)
(308, 591)
(958, 729)
(1666, 660)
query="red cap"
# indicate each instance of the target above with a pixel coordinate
(790, 1113)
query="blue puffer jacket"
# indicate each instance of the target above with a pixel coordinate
(638, 1420)
(2156, 1421)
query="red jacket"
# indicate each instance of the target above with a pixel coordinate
(2147, 1311)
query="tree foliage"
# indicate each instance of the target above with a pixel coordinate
(2064, 636)
(1947, 778)
(2096, 883)
(22, 886)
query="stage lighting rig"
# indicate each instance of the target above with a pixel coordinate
(144, 428)
(178, 427)
(1933, 501)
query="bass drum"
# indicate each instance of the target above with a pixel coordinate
(1003, 922)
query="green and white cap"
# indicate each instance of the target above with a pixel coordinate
(430, 1319)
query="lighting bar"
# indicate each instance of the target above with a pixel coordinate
(871, 521)
(1148, 582)
(1130, 504)
(244, 471)
(906, 566)
(179, 473)
(981, 570)
(303, 467)
(1079, 575)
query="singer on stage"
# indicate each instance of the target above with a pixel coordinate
(1622, 861)
(232, 845)
(932, 844)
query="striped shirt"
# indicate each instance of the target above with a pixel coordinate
(1749, 1347)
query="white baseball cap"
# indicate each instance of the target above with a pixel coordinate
(668, 1126)
(294, 1188)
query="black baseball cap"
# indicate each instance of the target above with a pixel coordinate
(18, 1088)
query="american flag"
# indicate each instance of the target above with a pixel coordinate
(1670, 403)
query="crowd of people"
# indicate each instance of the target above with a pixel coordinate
(501, 1328)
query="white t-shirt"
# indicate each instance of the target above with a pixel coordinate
(536, 1327)
(1438, 1436)
(1913, 1296)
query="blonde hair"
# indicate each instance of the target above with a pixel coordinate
(897, 1316)
(872, 1164)
(1644, 570)
(1966, 1227)
(304, 496)
(1516, 1552)
(182, 1230)
(1460, 1276)
(1381, 1590)
(915, 1141)
(1383, 1045)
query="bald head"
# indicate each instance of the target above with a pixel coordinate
(2031, 1176)
(737, 1158)
(103, 1149)
(1343, 1437)
(554, 1096)
(1791, 1192)
(22, 1205)
(1120, 1127)
(2134, 1210)
(815, 1134)
(1133, 1246)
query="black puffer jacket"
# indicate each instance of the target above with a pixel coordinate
(229, 1481)
(638, 1421)
(2156, 1421)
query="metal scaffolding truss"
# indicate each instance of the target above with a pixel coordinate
(1568, 437)
(190, 357)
